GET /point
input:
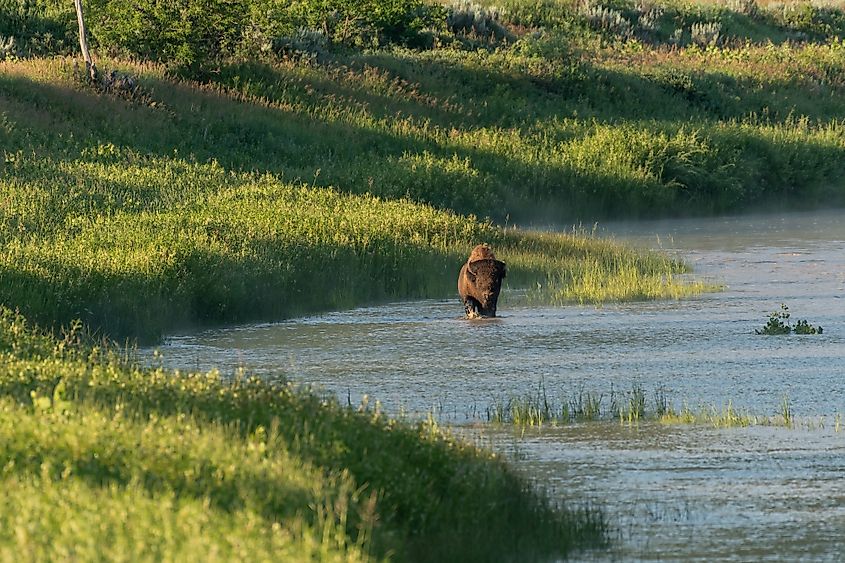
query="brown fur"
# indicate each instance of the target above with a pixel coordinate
(481, 252)
(480, 281)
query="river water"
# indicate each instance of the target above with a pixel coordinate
(672, 492)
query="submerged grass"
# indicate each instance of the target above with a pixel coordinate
(102, 458)
(633, 406)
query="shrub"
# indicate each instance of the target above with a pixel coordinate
(37, 26)
(706, 34)
(194, 33)
(467, 17)
(369, 22)
(184, 32)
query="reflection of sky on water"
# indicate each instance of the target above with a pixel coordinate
(697, 492)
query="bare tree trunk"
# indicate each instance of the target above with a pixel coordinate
(83, 42)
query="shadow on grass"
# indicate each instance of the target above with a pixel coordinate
(385, 126)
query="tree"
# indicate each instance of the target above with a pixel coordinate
(83, 42)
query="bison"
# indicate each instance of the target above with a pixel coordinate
(479, 282)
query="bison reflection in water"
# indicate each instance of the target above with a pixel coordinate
(480, 281)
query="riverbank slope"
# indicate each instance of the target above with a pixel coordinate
(108, 216)
(560, 111)
(103, 459)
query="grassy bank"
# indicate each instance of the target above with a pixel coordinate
(109, 215)
(105, 459)
(574, 111)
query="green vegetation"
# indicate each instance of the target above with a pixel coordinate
(112, 212)
(105, 459)
(539, 409)
(266, 160)
(778, 323)
(574, 111)
(633, 406)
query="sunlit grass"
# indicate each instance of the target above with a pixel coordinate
(590, 283)
(102, 224)
(241, 468)
(630, 407)
(90, 483)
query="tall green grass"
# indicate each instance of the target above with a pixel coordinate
(104, 459)
(102, 220)
(566, 119)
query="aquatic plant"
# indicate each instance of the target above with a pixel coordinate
(538, 409)
(632, 407)
(803, 327)
(778, 323)
(585, 406)
(662, 404)
(786, 411)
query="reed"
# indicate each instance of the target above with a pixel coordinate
(633, 406)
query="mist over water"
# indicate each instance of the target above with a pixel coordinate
(672, 492)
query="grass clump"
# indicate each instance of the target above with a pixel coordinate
(540, 409)
(725, 416)
(242, 467)
(632, 407)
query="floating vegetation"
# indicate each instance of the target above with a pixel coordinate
(778, 323)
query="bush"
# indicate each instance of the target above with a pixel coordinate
(184, 32)
(369, 22)
(193, 33)
(37, 26)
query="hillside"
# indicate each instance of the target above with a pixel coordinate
(533, 110)
(138, 216)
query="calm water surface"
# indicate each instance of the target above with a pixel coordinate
(672, 492)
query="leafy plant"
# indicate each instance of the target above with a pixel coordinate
(778, 323)
(803, 327)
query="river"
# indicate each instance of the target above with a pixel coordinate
(676, 492)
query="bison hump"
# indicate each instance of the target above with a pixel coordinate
(487, 268)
